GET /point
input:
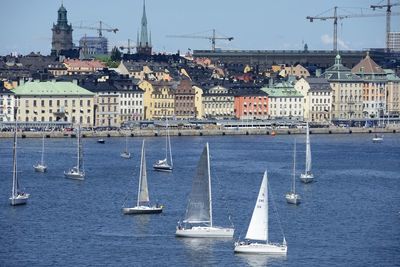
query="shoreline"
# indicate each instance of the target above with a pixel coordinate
(204, 132)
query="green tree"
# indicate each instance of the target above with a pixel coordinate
(116, 54)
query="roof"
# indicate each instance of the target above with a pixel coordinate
(249, 92)
(4, 90)
(367, 66)
(338, 72)
(51, 89)
(318, 84)
(84, 64)
(282, 90)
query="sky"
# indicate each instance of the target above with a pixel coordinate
(25, 25)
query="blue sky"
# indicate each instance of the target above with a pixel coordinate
(25, 26)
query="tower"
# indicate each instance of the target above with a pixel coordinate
(144, 42)
(62, 33)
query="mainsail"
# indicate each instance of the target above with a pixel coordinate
(308, 152)
(143, 192)
(199, 206)
(258, 228)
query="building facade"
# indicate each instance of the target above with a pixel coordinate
(7, 104)
(317, 100)
(54, 101)
(251, 104)
(394, 41)
(393, 94)
(158, 98)
(347, 95)
(218, 103)
(185, 100)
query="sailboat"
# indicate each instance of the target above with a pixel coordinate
(198, 221)
(126, 154)
(377, 138)
(292, 197)
(258, 228)
(77, 172)
(17, 197)
(143, 201)
(41, 166)
(162, 164)
(307, 176)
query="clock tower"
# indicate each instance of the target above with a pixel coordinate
(62, 33)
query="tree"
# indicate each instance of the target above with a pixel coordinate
(116, 54)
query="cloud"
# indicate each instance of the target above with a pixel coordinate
(327, 39)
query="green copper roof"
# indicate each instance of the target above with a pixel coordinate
(51, 89)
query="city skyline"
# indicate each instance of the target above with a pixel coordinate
(257, 25)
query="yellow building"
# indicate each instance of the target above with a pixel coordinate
(158, 99)
(54, 101)
(198, 102)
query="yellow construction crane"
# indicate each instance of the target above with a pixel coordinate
(388, 6)
(99, 29)
(335, 17)
(212, 38)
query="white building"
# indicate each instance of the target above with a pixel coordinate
(7, 104)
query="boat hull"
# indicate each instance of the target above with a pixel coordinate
(293, 199)
(204, 232)
(377, 140)
(125, 155)
(19, 199)
(143, 210)
(306, 178)
(74, 175)
(40, 168)
(259, 248)
(162, 168)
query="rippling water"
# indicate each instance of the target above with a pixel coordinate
(350, 216)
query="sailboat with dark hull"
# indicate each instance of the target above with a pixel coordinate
(163, 165)
(143, 205)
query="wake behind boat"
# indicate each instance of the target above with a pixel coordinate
(258, 228)
(143, 205)
(198, 221)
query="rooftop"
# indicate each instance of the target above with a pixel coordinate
(51, 89)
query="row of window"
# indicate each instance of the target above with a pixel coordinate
(131, 103)
(50, 111)
(320, 100)
(284, 106)
(286, 99)
(49, 102)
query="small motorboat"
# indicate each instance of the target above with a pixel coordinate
(101, 141)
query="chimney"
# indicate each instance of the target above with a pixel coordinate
(21, 81)
(317, 73)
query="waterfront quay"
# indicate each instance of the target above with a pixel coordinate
(221, 131)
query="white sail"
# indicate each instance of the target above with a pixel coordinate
(199, 207)
(14, 189)
(42, 159)
(143, 192)
(169, 146)
(308, 152)
(258, 228)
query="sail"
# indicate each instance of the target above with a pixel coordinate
(143, 194)
(258, 227)
(199, 208)
(308, 152)
(15, 177)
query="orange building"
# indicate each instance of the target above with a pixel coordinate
(251, 103)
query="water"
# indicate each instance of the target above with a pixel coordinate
(349, 216)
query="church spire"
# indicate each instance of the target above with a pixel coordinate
(144, 42)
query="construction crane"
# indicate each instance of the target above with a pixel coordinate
(388, 17)
(99, 29)
(337, 17)
(128, 47)
(212, 38)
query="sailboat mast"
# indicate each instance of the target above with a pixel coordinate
(15, 182)
(294, 167)
(42, 159)
(78, 163)
(169, 145)
(166, 138)
(140, 175)
(209, 184)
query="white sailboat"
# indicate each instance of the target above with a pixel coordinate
(307, 176)
(17, 197)
(41, 166)
(162, 164)
(292, 197)
(256, 240)
(377, 138)
(126, 154)
(143, 201)
(77, 172)
(198, 221)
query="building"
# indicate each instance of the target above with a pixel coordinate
(284, 101)
(93, 46)
(393, 94)
(251, 103)
(144, 46)
(151, 71)
(347, 95)
(7, 104)
(218, 103)
(158, 99)
(297, 71)
(374, 87)
(83, 67)
(185, 99)
(131, 100)
(394, 41)
(317, 100)
(54, 101)
(198, 102)
(62, 33)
